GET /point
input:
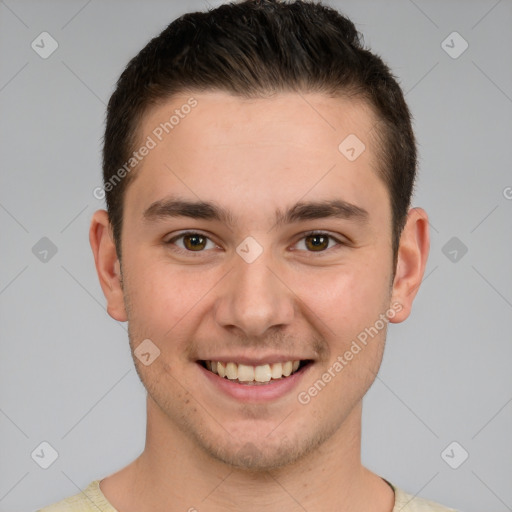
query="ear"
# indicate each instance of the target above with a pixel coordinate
(107, 264)
(411, 262)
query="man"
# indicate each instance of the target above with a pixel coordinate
(258, 170)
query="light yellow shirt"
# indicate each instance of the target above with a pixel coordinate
(93, 500)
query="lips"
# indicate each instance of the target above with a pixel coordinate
(254, 374)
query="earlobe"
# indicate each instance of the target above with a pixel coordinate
(107, 264)
(411, 262)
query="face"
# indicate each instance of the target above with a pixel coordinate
(252, 248)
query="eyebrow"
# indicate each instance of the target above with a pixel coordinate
(175, 207)
(336, 208)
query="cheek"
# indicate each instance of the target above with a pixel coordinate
(162, 296)
(344, 300)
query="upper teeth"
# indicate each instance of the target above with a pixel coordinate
(247, 373)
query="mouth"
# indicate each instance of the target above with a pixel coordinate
(251, 375)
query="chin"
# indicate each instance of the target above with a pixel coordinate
(257, 458)
(257, 453)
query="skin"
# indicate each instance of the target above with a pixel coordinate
(253, 157)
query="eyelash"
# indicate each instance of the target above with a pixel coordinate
(304, 236)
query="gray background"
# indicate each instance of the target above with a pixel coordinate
(66, 374)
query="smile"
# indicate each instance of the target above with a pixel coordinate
(254, 375)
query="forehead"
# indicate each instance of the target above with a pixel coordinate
(224, 119)
(260, 151)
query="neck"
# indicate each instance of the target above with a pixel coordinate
(172, 473)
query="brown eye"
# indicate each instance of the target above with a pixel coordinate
(190, 242)
(194, 242)
(317, 242)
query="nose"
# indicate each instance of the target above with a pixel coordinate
(253, 298)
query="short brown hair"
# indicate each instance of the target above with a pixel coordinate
(252, 49)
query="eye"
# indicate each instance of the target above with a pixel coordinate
(192, 242)
(317, 242)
